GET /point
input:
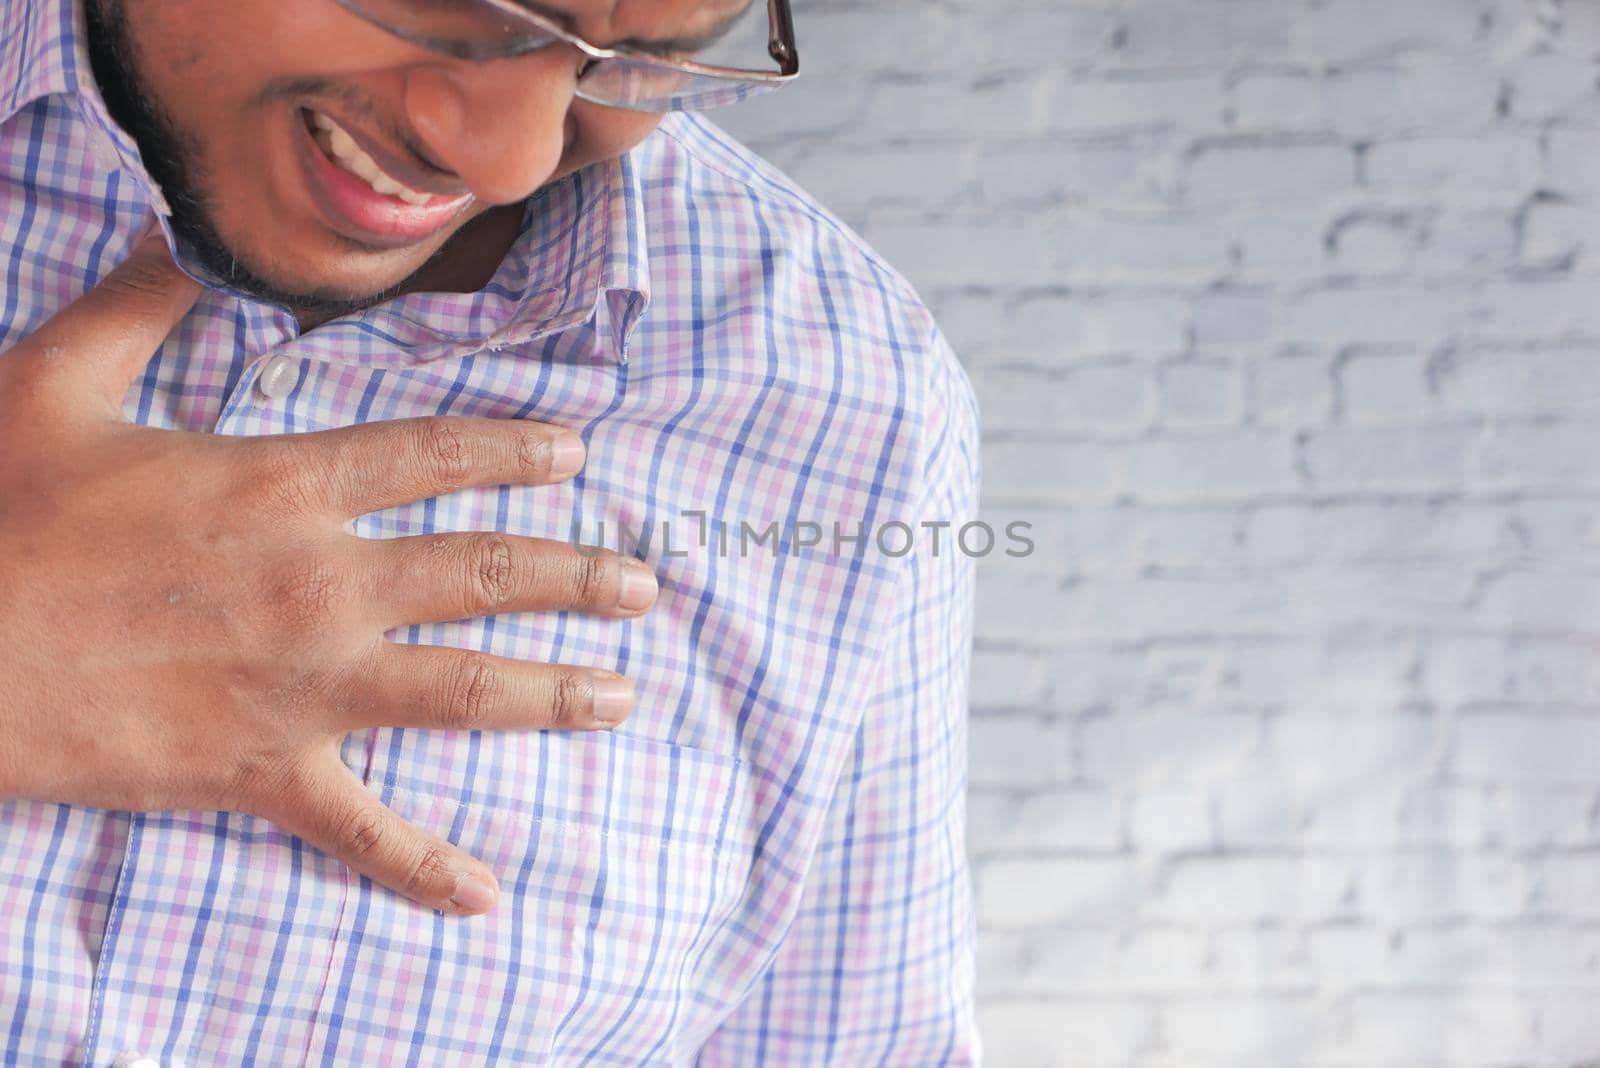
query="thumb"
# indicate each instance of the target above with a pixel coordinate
(333, 810)
(98, 344)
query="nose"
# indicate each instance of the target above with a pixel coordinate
(501, 125)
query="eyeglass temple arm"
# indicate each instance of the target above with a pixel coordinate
(780, 43)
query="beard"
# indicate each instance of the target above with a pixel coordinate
(174, 161)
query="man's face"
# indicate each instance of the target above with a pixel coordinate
(231, 101)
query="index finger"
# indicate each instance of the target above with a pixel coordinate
(98, 344)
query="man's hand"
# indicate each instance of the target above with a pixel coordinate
(186, 620)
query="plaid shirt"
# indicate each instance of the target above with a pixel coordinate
(765, 863)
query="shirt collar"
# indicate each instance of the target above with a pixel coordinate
(583, 251)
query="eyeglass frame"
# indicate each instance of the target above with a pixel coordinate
(780, 46)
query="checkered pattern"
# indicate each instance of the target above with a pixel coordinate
(765, 863)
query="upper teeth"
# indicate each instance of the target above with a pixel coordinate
(345, 152)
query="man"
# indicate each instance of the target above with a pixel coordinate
(253, 605)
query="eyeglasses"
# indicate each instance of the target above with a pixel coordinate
(615, 77)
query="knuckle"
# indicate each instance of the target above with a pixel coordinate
(442, 446)
(591, 579)
(533, 457)
(493, 571)
(430, 870)
(306, 592)
(571, 700)
(473, 692)
(357, 836)
(285, 479)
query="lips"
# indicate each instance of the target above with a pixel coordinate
(354, 209)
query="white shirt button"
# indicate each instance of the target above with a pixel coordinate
(137, 1060)
(278, 377)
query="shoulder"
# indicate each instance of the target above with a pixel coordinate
(836, 308)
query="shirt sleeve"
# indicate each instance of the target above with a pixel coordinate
(878, 967)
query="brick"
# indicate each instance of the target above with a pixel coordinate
(1455, 817)
(1556, 234)
(1251, 889)
(1493, 381)
(1563, 670)
(1357, 532)
(1349, 954)
(1041, 37)
(1568, 1033)
(1225, 172)
(1357, 752)
(1277, 244)
(1538, 309)
(965, 253)
(1242, 1028)
(1048, 174)
(1018, 469)
(1184, 605)
(1430, 458)
(1196, 396)
(1518, 749)
(1234, 317)
(1196, 537)
(1140, 748)
(1376, 315)
(1459, 669)
(1058, 890)
(1211, 467)
(1107, 324)
(1259, 958)
(1215, 35)
(1170, 821)
(1439, 885)
(1542, 817)
(1375, 244)
(1278, 101)
(1151, 247)
(1291, 392)
(1052, 820)
(1017, 751)
(1006, 679)
(1501, 955)
(1137, 103)
(1351, 30)
(1451, 1027)
(1046, 1034)
(1089, 961)
(1553, 454)
(1550, 85)
(1384, 388)
(1503, 165)
(1260, 813)
(1575, 161)
(924, 176)
(1414, 94)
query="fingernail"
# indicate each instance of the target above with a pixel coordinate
(566, 455)
(613, 698)
(638, 587)
(474, 893)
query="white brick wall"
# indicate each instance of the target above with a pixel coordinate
(1285, 318)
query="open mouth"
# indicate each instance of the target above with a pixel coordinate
(361, 200)
(342, 149)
